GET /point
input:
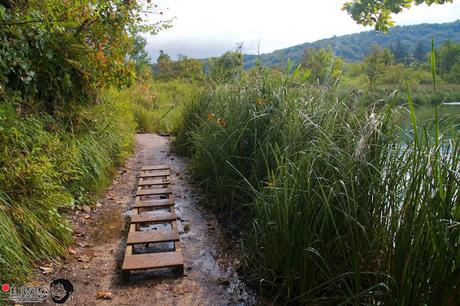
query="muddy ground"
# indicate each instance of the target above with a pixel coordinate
(95, 259)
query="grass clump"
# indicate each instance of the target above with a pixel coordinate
(47, 166)
(342, 205)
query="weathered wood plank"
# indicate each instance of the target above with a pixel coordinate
(158, 236)
(153, 191)
(153, 261)
(153, 203)
(154, 218)
(156, 173)
(153, 182)
(158, 167)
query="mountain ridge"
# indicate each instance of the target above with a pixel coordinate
(354, 47)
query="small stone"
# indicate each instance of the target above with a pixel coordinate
(86, 209)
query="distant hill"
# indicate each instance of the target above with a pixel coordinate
(407, 40)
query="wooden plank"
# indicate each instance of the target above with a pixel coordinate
(156, 173)
(153, 182)
(153, 261)
(158, 236)
(156, 191)
(154, 218)
(153, 203)
(158, 167)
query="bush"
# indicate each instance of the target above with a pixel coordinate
(46, 169)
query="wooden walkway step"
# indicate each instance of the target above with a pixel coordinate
(158, 173)
(164, 235)
(153, 261)
(153, 218)
(156, 177)
(154, 182)
(155, 191)
(159, 167)
(153, 203)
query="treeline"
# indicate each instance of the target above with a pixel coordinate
(381, 65)
(61, 135)
(406, 41)
(225, 67)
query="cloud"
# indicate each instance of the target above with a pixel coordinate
(204, 28)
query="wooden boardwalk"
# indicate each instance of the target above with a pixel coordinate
(153, 207)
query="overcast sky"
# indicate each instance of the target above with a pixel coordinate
(203, 28)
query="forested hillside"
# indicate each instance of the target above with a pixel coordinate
(405, 41)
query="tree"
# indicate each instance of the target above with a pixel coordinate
(188, 68)
(58, 54)
(421, 51)
(448, 60)
(164, 66)
(377, 13)
(138, 54)
(227, 67)
(401, 52)
(376, 63)
(324, 65)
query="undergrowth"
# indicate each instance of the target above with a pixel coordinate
(48, 166)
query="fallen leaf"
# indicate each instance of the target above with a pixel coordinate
(84, 258)
(105, 295)
(186, 228)
(86, 209)
(71, 250)
(47, 270)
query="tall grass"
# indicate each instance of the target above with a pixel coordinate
(342, 206)
(157, 105)
(47, 167)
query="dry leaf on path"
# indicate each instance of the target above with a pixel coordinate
(47, 270)
(105, 295)
(71, 250)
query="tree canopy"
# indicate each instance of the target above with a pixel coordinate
(59, 53)
(377, 13)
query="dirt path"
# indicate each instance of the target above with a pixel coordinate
(210, 268)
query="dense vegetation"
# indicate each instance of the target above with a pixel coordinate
(342, 195)
(335, 198)
(412, 41)
(61, 133)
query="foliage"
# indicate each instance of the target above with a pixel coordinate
(227, 67)
(340, 205)
(55, 55)
(140, 57)
(448, 61)
(377, 13)
(377, 62)
(45, 170)
(324, 66)
(184, 68)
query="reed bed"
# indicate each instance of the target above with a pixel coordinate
(338, 203)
